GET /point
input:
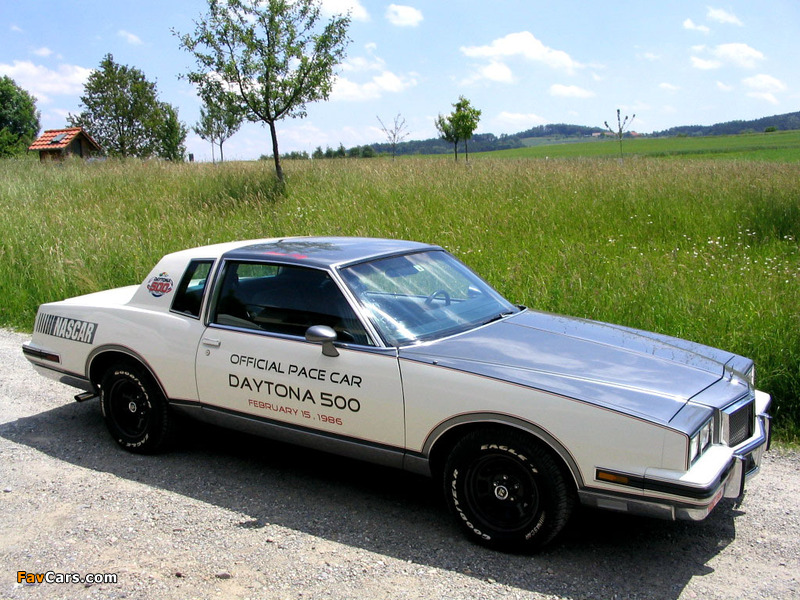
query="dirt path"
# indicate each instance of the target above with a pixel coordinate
(230, 516)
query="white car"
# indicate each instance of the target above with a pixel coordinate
(396, 353)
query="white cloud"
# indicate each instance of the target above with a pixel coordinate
(340, 7)
(722, 16)
(43, 51)
(705, 64)
(43, 82)
(129, 37)
(361, 64)
(403, 16)
(738, 55)
(386, 82)
(689, 24)
(570, 91)
(669, 87)
(651, 57)
(497, 71)
(389, 82)
(515, 122)
(766, 96)
(764, 87)
(723, 87)
(383, 81)
(524, 45)
(16, 29)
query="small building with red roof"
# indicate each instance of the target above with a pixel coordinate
(55, 144)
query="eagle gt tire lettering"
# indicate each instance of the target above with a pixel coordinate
(135, 410)
(507, 490)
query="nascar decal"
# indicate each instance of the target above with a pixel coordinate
(69, 329)
(160, 284)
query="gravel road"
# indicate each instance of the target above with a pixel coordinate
(229, 516)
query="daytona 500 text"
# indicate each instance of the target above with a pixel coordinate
(281, 390)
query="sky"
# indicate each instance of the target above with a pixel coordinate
(523, 63)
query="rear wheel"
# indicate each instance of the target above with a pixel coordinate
(135, 410)
(507, 490)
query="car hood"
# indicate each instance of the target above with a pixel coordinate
(638, 372)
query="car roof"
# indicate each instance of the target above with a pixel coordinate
(324, 252)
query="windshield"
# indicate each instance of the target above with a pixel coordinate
(423, 296)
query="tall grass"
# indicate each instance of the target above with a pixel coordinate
(704, 250)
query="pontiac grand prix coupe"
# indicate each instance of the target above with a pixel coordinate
(396, 353)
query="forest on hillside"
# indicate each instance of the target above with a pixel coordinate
(487, 142)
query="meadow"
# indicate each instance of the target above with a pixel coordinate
(780, 146)
(702, 249)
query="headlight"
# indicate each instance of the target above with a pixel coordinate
(700, 442)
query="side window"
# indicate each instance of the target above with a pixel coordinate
(189, 296)
(284, 299)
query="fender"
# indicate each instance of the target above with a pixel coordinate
(482, 418)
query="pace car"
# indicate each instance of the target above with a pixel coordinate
(395, 352)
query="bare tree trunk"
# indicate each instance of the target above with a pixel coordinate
(275, 153)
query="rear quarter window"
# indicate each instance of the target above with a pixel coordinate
(189, 295)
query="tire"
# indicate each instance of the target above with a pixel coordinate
(507, 490)
(135, 410)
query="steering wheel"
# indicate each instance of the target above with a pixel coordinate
(443, 293)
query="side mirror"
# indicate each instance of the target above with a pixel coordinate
(324, 335)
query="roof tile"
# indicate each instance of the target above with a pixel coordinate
(47, 141)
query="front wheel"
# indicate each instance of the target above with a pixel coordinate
(135, 410)
(507, 490)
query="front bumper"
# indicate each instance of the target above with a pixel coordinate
(695, 503)
(747, 457)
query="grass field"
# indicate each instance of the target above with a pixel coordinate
(781, 146)
(701, 249)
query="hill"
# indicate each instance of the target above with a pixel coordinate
(561, 132)
(785, 122)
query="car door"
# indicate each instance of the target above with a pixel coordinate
(253, 358)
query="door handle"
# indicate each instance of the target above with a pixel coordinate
(214, 343)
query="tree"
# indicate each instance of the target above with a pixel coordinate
(274, 55)
(218, 120)
(459, 125)
(396, 133)
(622, 126)
(123, 113)
(19, 119)
(465, 121)
(172, 135)
(447, 132)
(205, 128)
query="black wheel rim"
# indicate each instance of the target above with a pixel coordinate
(130, 408)
(502, 492)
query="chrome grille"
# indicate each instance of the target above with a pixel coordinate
(739, 422)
